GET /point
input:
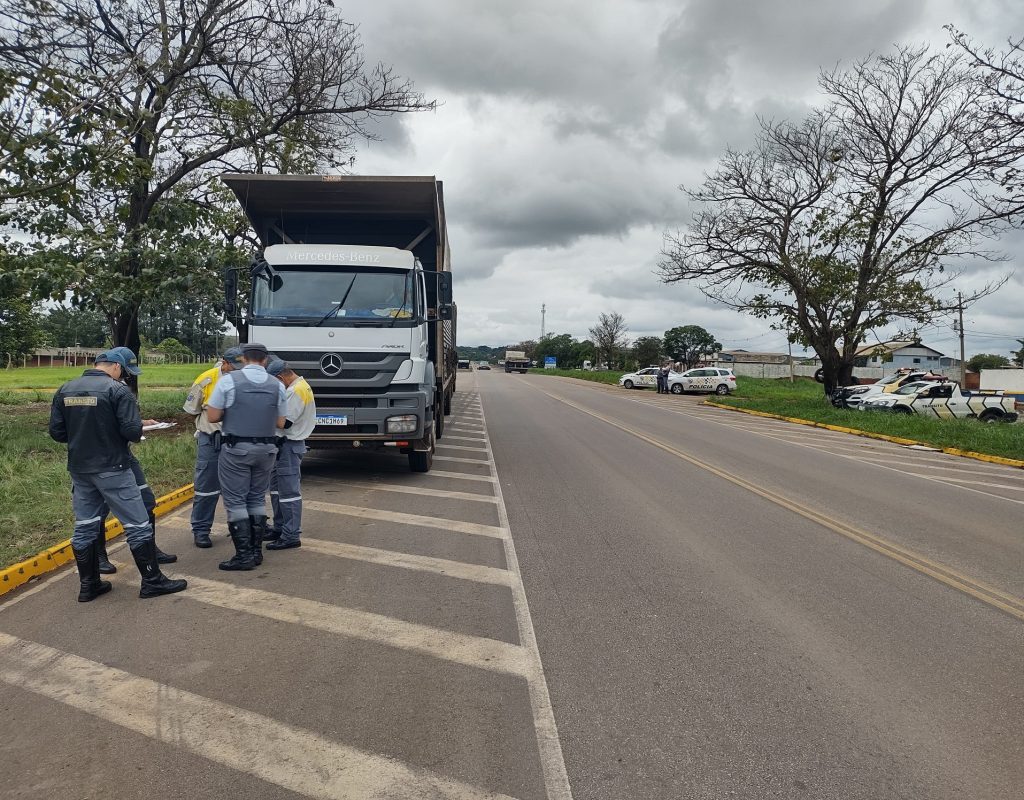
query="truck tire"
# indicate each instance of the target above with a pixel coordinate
(422, 461)
(627, 384)
(677, 388)
(448, 405)
(438, 423)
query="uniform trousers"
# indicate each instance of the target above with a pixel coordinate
(207, 483)
(286, 491)
(244, 472)
(93, 493)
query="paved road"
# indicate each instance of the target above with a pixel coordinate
(723, 606)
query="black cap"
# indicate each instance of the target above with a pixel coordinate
(250, 349)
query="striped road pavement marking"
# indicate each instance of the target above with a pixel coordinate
(403, 489)
(282, 754)
(402, 518)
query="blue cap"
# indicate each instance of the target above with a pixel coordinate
(233, 356)
(123, 356)
(276, 366)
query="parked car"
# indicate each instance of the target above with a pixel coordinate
(945, 401)
(648, 376)
(854, 396)
(703, 379)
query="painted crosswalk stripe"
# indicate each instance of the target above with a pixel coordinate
(475, 528)
(460, 648)
(462, 476)
(460, 447)
(403, 489)
(391, 558)
(465, 438)
(278, 753)
(460, 460)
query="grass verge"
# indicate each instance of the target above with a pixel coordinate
(609, 377)
(804, 399)
(35, 505)
(52, 377)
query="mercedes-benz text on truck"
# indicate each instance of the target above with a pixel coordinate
(353, 289)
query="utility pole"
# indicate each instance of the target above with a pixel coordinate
(543, 315)
(960, 312)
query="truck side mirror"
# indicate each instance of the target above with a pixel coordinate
(231, 292)
(444, 288)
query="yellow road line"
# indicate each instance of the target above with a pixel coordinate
(980, 591)
(52, 557)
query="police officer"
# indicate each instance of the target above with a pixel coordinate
(285, 488)
(250, 405)
(208, 436)
(97, 416)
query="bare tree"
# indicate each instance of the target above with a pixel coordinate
(857, 217)
(268, 85)
(609, 337)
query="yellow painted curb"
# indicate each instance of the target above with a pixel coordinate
(14, 576)
(953, 451)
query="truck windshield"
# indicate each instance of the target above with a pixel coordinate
(334, 296)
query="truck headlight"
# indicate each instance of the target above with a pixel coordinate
(406, 423)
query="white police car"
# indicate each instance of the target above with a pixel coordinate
(703, 379)
(641, 378)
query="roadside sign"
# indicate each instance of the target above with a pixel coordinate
(550, 362)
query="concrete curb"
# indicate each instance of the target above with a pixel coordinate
(953, 451)
(21, 573)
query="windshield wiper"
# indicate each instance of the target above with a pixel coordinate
(340, 305)
(405, 299)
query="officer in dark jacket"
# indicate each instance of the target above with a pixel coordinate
(251, 405)
(98, 416)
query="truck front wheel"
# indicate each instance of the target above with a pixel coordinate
(422, 460)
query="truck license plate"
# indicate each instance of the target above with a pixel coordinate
(331, 419)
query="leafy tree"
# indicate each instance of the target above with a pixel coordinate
(562, 346)
(20, 331)
(647, 350)
(987, 361)
(67, 327)
(188, 90)
(848, 221)
(609, 336)
(172, 347)
(689, 344)
(1018, 356)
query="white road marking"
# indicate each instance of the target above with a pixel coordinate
(556, 780)
(460, 648)
(422, 521)
(285, 755)
(461, 448)
(466, 438)
(391, 558)
(403, 489)
(457, 460)
(462, 476)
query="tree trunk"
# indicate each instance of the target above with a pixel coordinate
(126, 334)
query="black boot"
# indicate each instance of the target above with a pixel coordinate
(154, 582)
(258, 526)
(106, 568)
(272, 534)
(161, 556)
(89, 574)
(241, 534)
(202, 539)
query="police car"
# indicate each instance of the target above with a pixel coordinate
(641, 378)
(944, 400)
(703, 379)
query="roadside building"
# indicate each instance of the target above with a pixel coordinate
(905, 355)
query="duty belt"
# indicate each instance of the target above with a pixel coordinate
(229, 439)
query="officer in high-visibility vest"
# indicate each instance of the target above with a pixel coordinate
(251, 406)
(285, 481)
(208, 444)
(97, 416)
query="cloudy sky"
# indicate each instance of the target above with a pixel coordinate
(565, 128)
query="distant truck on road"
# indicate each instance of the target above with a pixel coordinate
(516, 361)
(353, 288)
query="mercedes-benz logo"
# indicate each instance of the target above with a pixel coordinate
(331, 365)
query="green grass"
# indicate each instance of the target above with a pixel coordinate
(35, 505)
(52, 377)
(610, 377)
(804, 399)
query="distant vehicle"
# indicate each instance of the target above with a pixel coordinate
(483, 366)
(944, 400)
(648, 376)
(516, 361)
(703, 379)
(853, 396)
(464, 363)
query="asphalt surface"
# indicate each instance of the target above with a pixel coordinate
(723, 606)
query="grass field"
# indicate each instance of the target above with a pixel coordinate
(804, 399)
(35, 505)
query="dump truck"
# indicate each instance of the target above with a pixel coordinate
(516, 361)
(352, 287)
